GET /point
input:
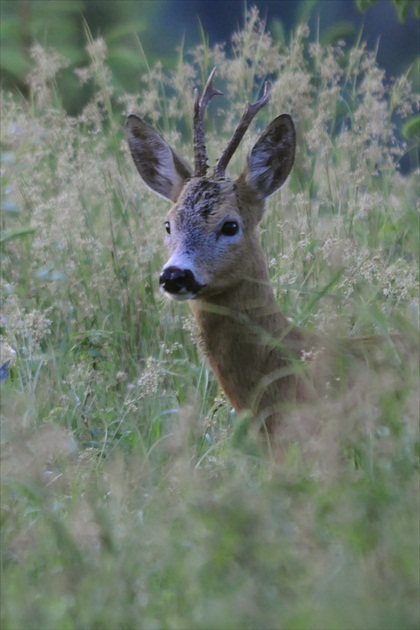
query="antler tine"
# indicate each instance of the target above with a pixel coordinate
(250, 111)
(200, 104)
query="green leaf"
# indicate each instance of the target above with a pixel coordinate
(401, 7)
(305, 10)
(339, 30)
(9, 235)
(364, 5)
(411, 129)
(14, 62)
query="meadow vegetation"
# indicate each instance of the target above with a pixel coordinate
(132, 497)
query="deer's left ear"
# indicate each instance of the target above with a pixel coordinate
(271, 158)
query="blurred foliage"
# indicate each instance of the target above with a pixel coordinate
(401, 6)
(411, 129)
(304, 14)
(130, 27)
(61, 25)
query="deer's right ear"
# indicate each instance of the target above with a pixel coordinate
(159, 166)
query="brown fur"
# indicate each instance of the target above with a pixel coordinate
(251, 346)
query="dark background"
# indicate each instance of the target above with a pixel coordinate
(398, 42)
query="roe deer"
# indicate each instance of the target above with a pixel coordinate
(216, 260)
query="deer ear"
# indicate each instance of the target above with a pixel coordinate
(159, 166)
(271, 158)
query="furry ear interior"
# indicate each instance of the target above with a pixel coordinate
(158, 164)
(271, 158)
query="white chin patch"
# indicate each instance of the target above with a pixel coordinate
(179, 297)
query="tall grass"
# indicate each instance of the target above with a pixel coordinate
(131, 496)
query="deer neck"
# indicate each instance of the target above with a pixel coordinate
(245, 336)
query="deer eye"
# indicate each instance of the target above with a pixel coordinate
(230, 228)
(167, 227)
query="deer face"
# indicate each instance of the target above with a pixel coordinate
(207, 237)
(211, 230)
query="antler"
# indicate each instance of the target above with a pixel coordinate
(251, 110)
(200, 104)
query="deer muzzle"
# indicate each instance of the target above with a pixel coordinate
(179, 284)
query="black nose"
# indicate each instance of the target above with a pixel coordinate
(175, 280)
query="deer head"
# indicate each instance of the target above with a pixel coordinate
(212, 226)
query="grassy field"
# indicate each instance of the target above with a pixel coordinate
(132, 497)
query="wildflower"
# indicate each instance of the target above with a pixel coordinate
(4, 370)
